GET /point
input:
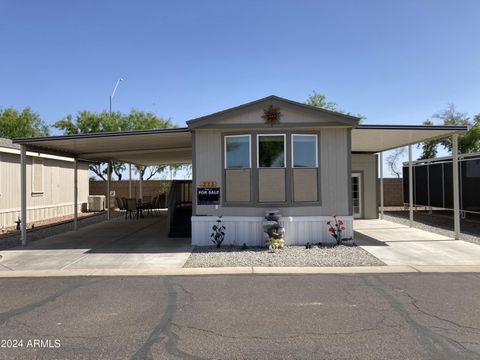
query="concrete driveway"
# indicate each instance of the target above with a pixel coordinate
(114, 244)
(397, 244)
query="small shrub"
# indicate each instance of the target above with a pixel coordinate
(244, 247)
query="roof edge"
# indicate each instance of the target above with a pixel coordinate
(460, 128)
(100, 135)
(349, 119)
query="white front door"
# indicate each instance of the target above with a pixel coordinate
(357, 195)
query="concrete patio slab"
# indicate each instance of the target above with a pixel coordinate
(397, 244)
(114, 244)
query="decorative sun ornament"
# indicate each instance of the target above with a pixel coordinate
(272, 115)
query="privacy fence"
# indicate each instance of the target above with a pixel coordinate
(433, 182)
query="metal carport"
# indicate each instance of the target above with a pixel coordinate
(167, 146)
(143, 147)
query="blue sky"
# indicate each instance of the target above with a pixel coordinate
(391, 61)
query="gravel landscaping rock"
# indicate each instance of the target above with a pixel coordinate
(438, 223)
(210, 256)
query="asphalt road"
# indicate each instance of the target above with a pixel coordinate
(380, 316)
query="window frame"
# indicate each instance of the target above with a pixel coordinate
(249, 151)
(284, 151)
(292, 145)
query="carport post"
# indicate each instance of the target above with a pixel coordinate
(109, 176)
(75, 194)
(129, 181)
(23, 193)
(381, 185)
(456, 200)
(140, 188)
(410, 185)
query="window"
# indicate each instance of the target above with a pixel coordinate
(271, 151)
(37, 176)
(304, 151)
(237, 152)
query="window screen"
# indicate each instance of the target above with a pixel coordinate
(237, 152)
(271, 151)
(304, 151)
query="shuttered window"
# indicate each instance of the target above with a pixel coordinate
(37, 176)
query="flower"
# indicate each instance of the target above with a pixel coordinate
(332, 230)
(334, 215)
(340, 222)
(342, 228)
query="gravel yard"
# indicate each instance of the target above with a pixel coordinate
(210, 256)
(438, 223)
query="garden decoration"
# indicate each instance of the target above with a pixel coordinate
(335, 228)
(272, 231)
(218, 233)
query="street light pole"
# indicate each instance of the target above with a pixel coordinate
(119, 80)
(109, 164)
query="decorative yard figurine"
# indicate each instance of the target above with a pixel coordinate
(272, 231)
(218, 233)
(335, 228)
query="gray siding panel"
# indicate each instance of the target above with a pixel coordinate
(366, 164)
(334, 174)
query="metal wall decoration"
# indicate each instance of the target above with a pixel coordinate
(272, 115)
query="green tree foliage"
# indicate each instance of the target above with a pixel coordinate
(86, 122)
(429, 148)
(319, 100)
(17, 124)
(468, 142)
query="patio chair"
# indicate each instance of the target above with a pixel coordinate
(154, 204)
(120, 204)
(147, 205)
(131, 207)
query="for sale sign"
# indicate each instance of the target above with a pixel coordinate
(208, 196)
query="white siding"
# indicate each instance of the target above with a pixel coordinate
(248, 229)
(56, 198)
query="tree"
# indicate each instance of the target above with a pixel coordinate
(393, 161)
(319, 100)
(429, 148)
(16, 124)
(86, 122)
(468, 142)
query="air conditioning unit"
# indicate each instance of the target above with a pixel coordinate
(96, 203)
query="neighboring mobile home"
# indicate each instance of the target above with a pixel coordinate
(49, 185)
(272, 153)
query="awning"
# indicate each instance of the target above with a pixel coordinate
(144, 147)
(174, 146)
(376, 138)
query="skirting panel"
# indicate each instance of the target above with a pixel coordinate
(245, 229)
(9, 216)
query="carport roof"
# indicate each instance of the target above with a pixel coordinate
(170, 146)
(377, 138)
(142, 147)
